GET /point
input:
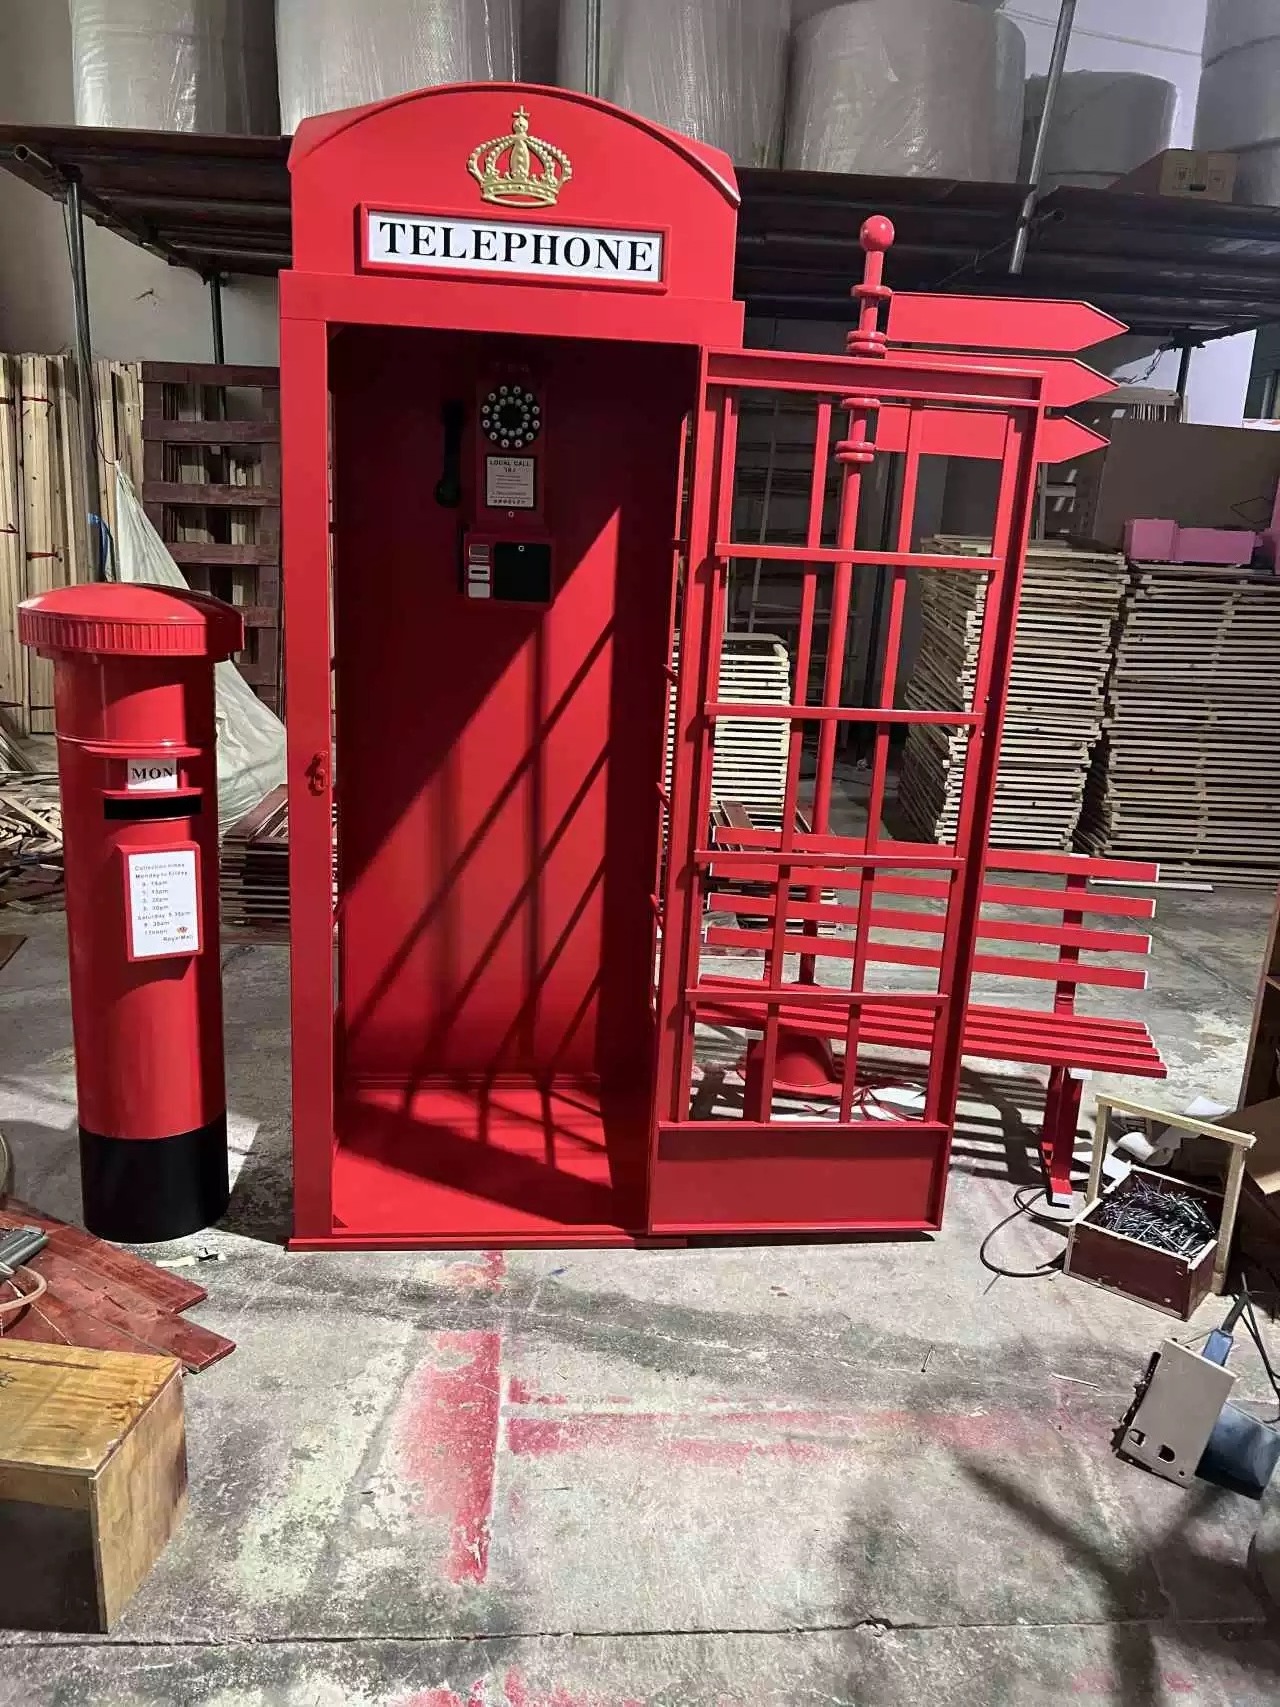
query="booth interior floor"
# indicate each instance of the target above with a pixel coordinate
(766, 1476)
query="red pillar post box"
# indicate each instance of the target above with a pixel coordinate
(134, 714)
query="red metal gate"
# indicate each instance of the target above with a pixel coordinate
(812, 1142)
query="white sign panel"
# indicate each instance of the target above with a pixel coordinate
(509, 482)
(444, 244)
(152, 776)
(164, 904)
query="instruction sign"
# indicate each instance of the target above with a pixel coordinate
(509, 482)
(164, 902)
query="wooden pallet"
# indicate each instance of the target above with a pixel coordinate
(1061, 652)
(44, 532)
(1188, 768)
(211, 487)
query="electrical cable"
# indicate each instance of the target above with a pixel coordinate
(23, 1299)
(1255, 1334)
(1023, 1206)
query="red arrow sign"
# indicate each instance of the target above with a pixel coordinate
(997, 322)
(1066, 382)
(980, 434)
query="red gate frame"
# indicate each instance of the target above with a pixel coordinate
(762, 1173)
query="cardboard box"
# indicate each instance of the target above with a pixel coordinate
(1183, 172)
(1200, 477)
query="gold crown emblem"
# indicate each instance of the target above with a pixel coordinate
(535, 172)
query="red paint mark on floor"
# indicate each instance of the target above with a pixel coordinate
(716, 1436)
(518, 1694)
(1101, 1680)
(489, 1274)
(521, 1393)
(448, 1441)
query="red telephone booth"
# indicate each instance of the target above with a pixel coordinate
(512, 373)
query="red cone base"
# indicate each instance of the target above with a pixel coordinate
(805, 1067)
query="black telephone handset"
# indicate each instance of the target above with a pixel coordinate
(453, 417)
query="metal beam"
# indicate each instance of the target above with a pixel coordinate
(1061, 41)
(84, 380)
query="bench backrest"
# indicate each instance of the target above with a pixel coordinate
(1043, 901)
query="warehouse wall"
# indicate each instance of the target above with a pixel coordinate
(140, 306)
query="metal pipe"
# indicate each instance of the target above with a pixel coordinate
(84, 378)
(215, 304)
(1061, 41)
(1184, 371)
(594, 8)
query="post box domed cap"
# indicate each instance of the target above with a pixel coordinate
(130, 620)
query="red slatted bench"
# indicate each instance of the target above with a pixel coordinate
(1036, 900)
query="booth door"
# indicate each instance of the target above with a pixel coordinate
(815, 966)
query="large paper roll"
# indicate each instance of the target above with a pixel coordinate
(334, 53)
(196, 65)
(1104, 124)
(712, 69)
(1236, 23)
(1239, 100)
(928, 88)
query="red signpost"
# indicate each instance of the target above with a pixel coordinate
(510, 318)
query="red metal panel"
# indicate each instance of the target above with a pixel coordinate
(304, 417)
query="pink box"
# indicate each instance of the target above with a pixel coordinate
(1153, 541)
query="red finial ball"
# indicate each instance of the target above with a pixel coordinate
(876, 233)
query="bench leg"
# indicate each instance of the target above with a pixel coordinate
(1058, 1134)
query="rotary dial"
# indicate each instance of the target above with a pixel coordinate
(511, 417)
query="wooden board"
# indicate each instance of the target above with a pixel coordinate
(105, 1297)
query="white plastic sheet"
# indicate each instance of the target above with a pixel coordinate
(711, 69)
(1239, 100)
(335, 53)
(929, 88)
(251, 751)
(1104, 124)
(194, 65)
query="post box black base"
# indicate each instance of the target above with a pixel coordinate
(141, 1190)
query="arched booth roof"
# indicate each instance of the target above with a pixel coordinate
(572, 215)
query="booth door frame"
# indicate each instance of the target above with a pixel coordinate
(763, 1172)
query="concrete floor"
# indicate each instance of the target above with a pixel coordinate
(761, 1477)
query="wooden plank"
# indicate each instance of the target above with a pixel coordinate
(209, 432)
(236, 496)
(222, 374)
(41, 571)
(122, 1307)
(167, 1290)
(139, 1500)
(13, 655)
(73, 492)
(197, 553)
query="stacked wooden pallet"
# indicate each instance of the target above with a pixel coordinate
(44, 535)
(212, 489)
(749, 765)
(254, 871)
(1188, 769)
(1070, 600)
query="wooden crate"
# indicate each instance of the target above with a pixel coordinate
(1177, 1285)
(93, 1479)
(211, 486)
